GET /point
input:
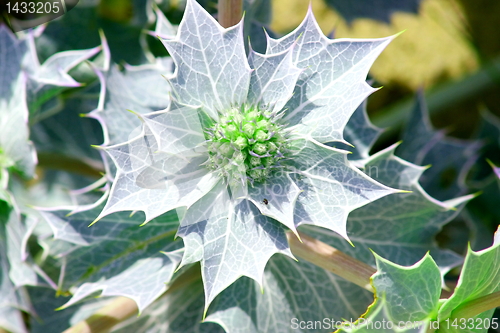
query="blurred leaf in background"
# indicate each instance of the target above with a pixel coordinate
(420, 56)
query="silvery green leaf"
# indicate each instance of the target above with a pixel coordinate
(16, 267)
(11, 317)
(332, 84)
(483, 213)
(177, 129)
(388, 225)
(489, 134)
(86, 19)
(15, 149)
(116, 255)
(47, 80)
(411, 293)
(22, 269)
(153, 181)
(163, 29)
(211, 67)
(167, 164)
(49, 320)
(331, 187)
(179, 310)
(360, 133)
(141, 89)
(54, 71)
(419, 136)
(276, 198)
(446, 177)
(67, 134)
(293, 292)
(230, 238)
(272, 80)
(407, 298)
(400, 227)
(423, 145)
(480, 276)
(14, 298)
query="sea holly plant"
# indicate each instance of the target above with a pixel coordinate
(214, 159)
(240, 150)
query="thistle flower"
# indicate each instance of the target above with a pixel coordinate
(240, 152)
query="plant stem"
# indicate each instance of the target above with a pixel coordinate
(440, 98)
(477, 306)
(87, 167)
(230, 12)
(336, 261)
(331, 259)
(105, 318)
(122, 308)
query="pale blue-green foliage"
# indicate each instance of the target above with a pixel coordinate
(360, 133)
(281, 300)
(423, 145)
(158, 165)
(309, 84)
(24, 82)
(15, 150)
(154, 157)
(399, 227)
(139, 87)
(480, 276)
(177, 311)
(13, 296)
(44, 304)
(291, 290)
(118, 258)
(411, 294)
(331, 69)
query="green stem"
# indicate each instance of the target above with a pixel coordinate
(335, 261)
(105, 318)
(57, 161)
(441, 98)
(477, 306)
(230, 12)
(331, 259)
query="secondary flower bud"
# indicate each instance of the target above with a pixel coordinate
(261, 136)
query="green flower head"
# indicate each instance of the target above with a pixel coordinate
(240, 151)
